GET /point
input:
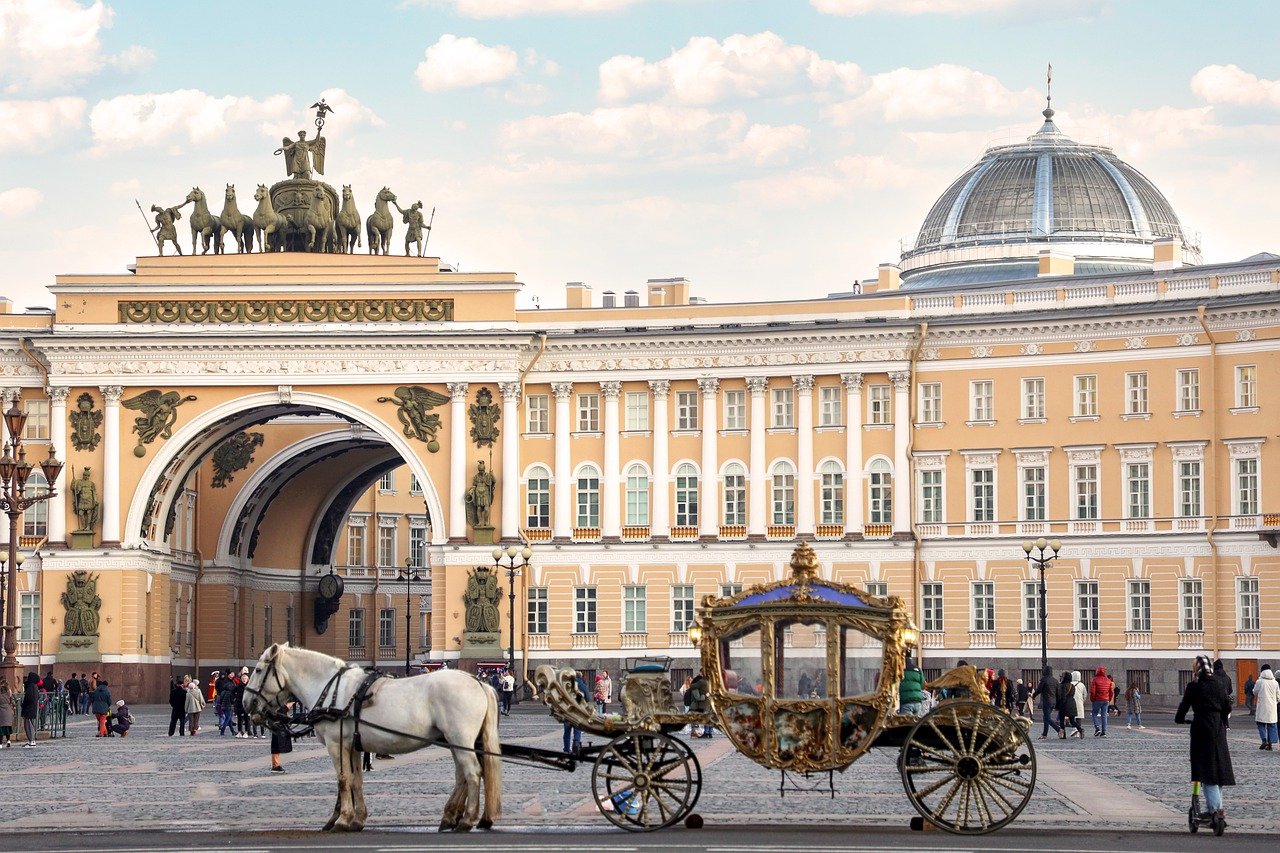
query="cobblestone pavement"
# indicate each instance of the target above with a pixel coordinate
(1133, 780)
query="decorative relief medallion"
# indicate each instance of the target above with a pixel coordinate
(1084, 455)
(1245, 335)
(1135, 454)
(286, 311)
(1032, 349)
(1135, 343)
(1032, 457)
(1187, 339)
(234, 454)
(1244, 449)
(930, 354)
(1084, 346)
(1183, 452)
(980, 352)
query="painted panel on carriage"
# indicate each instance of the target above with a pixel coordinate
(815, 592)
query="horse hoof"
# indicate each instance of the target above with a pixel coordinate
(484, 823)
(445, 826)
(462, 827)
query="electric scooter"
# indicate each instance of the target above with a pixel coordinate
(1197, 818)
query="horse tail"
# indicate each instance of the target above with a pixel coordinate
(491, 761)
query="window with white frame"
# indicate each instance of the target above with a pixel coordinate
(686, 495)
(1246, 386)
(1191, 598)
(735, 409)
(588, 413)
(537, 610)
(1085, 486)
(728, 589)
(635, 617)
(637, 486)
(584, 610)
(636, 411)
(35, 518)
(983, 599)
(1139, 605)
(538, 414)
(735, 494)
(1033, 493)
(1030, 606)
(538, 498)
(783, 407)
(930, 397)
(1086, 401)
(981, 400)
(682, 613)
(1087, 615)
(1246, 477)
(29, 617)
(878, 588)
(386, 628)
(415, 487)
(687, 410)
(1033, 398)
(880, 492)
(387, 545)
(1189, 489)
(830, 405)
(1136, 400)
(424, 621)
(1189, 390)
(356, 549)
(931, 505)
(832, 490)
(783, 482)
(982, 493)
(1137, 478)
(879, 405)
(588, 497)
(417, 547)
(1248, 602)
(388, 482)
(37, 426)
(931, 606)
(355, 628)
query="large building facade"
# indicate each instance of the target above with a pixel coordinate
(1047, 359)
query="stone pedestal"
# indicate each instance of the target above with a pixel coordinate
(481, 644)
(78, 650)
(482, 535)
(81, 540)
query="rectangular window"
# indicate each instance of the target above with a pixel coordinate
(832, 494)
(735, 409)
(37, 428)
(355, 628)
(35, 518)
(584, 610)
(686, 410)
(1086, 396)
(636, 404)
(637, 497)
(538, 413)
(356, 555)
(830, 405)
(930, 402)
(1246, 487)
(1033, 398)
(984, 494)
(588, 500)
(266, 626)
(538, 502)
(417, 547)
(1031, 606)
(386, 546)
(1189, 502)
(1139, 678)
(1138, 489)
(686, 496)
(1087, 606)
(537, 610)
(388, 482)
(1086, 489)
(588, 413)
(878, 588)
(1189, 390)
(1191, 596)
(682, 612)
(1246, 386)
(1033, 494)
(1248, 614)
(415, 487)
(783, 408)
(735, 496)
(879, 407)
(981, 400)
(984, 605)
(728, 589)
(386, 628)
(931, 506)
(29, 617)
(1139, 605)
(635, 616)
(931, 606)
(784, 498)
(1135, 394)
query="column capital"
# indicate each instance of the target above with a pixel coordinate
(709, 385)
(660, 388)
(510, 391)
(111, 394)
(611, 390)
(457, 390)
(58, 393)
(803, 384)
(852, 381)
(757, 384)
(562, 390)
(901, 380)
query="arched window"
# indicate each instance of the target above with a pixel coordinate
(832, 493)
(538, 498)
(35, 521)
(686, 496)
(784, 493)
(880, 492)
(588, 497)
(637, 496)
(735, 494)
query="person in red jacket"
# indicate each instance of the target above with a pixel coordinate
(1100, 693)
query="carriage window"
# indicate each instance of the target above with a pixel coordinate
(861, 658)
(800, 660)
(740, 657)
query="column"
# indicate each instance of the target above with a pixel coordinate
(561, 521)
(111, 496)
(610, 501)
(510, 460)
(457, 460)
(58, 439)
(853, 491)
(708, 509)
(805, 522)
(757, 477)
(902, 490)
(660, 522)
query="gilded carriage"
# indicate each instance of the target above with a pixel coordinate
(803, 677)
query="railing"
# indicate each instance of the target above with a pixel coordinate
(932, 639)
(32, 543)
(1137, 525)
(781, 531)
(1191, 639)
(1030, 639)
(929, 531)
(28, 648)
(586, 534)
(1035, 297)
(1137, 639)
(539, 642)
(1248, 640)
(1184, 286)
(1244, 279)
(184, 558)
(679, 640)
(635, 640)
(51, 712)
(684, 533)
(877, 530)
(1092, 526)
(733, 531)
(635, 532)
(980, 529)
(982, 639)
(585, 641)
(1137, 291)
(537, 534)
(1246, 522)
(1086, 639)
(830, 531)
(1271, 519)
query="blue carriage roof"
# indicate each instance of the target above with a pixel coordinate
(816, 591)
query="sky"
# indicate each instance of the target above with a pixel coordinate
(763, 149)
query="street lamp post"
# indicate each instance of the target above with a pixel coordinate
(14, 501)
(506, 560)
(408, 575)
(1045, 553)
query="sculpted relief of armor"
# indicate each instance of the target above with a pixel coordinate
(481, 601)
(82, 603)
(484, 414)
(85, 421)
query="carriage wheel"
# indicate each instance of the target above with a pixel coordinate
(968, 768)
(644, 781)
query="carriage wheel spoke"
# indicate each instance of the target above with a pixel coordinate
(941, 758)
(929, 768)
(945, 740)
(942, 807)
(1016, 786)
(1008, 806)
(997, 742)
(984, 808)
(921, 794)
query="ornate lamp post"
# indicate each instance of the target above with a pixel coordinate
(506, 560)
(14, 472)
(1045, 553)
(408, 574)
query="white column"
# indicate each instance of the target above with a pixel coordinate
(708, 514)
(805, 521)
(58, 439)
(457, 460)
(610, 501)
(510, 482)
(660, 521)
(902, 491)
(111, 496)
(757, 477)
(562, 522)
(853, 490)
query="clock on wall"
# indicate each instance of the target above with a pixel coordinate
(331, 586)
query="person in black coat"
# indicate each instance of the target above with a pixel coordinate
(73, 694)
(30, 708)
(1208, 700)
(1047, 692)
(177, 708)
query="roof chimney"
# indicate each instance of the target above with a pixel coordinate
(890, 277)
(1166, 254)
(610, 299)
(631, 299)
(577, 295)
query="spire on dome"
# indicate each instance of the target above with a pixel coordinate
(1048, 94)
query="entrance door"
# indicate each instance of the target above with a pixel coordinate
(1246, 668)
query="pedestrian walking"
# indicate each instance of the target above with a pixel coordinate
(573, 734)
(1266, 694)
(1115, 695)
(1220, 673)
(1048, 692)
(1250, 701)
(1080, 692)
(1133, 704)
(604, 691)
(1101, 691)
(224, 696)
(1021, 693)
(508, 691)
(101, 705)
(243, 724)
(700, 702)
(84, 693)
(1207, 698)
(73, 694)
(30, 708)
(177, 708)
(194, 704)
(1002, 695)
(8, 714)
(911, 690)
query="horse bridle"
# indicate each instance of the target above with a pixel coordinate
(275, 705)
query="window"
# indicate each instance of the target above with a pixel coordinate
(783, 407)
(1191, 596)
(29, 617)
(387, 546)
(686, 410)
(879, 409)
(35, 518)
(356, 555)
(981, 400)
(1087, 605)
(539, 416)
(355, 628)
(637, 496)
(1138, 489)
(735, 494)
(584, 610)
(538, 499)
(931, 606)
(634, 610)
(288, 623)
(1033, 494)
(388, 482)
(386, 628)
(415, 487)
(1246, 486)
(832, 509)
(681, 607)
(830, 405)
(1189, 390)
(1135, 394)
(983, 490)
(266, 626)
(1139, 605)
(728, 589)
(37, 428)
(984, 605)
(1247, 605)
(930, 402)
(931, 506)
(878, 588)
(1139, 678)
(417, 547)
(1033, 399)
(636, 404)
(1086, 397)
(424, 621)
(589, 497)
(686, 496)
(537, 610)
(1189, 502)
(588, 413)
(1246, 386)
(880, 492)
(784, 494)
(1086, 488)
(735, 409)
(1031, 606)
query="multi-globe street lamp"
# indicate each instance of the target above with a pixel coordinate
(408, 574)
(506, 561)
(1045, 553)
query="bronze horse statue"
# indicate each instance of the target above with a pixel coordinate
(235, 222)
(205, 227)
(269, 225)
(320, 224)
(380, 223)
(348, 222)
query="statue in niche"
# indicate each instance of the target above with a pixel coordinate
(85, 421)
(82, 603)
(159, 414)
(234, 454)
(480, 497)
(484, 414)
(84, 500)
(481, 601)
(414, 403)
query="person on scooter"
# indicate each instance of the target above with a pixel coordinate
(1207, 698)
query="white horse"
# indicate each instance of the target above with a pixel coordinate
(403, 715)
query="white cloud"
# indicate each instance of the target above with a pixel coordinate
(52, 43)
(1231, 84)
(931, 93)
(519, 8)
(19, 200)
(460, 63)
(33, 125)
(131, 121)
(706, 71)
(1037, 10)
